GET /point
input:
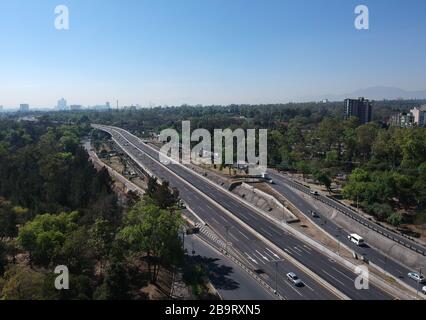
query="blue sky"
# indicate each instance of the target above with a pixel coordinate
(206, 51)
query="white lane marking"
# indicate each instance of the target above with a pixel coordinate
(309, 287)
(345, 275)
(308, 252)
(243, 235)
(234, 237)
(307, 248)
(223, 218)
(266, 231)
(210, 207)
(294, 289)
(269, 255)
(294, 252)
(333, 277)
(217, 222)
(262, 256)
(273, 253)
(250, 258)
(298, 249)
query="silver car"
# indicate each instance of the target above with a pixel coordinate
(417, 277)
(424, 290)
(293, 278)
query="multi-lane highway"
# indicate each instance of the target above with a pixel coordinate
(256, 254)
(225, 213)
(287, 188)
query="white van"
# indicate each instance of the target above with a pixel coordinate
(358, 240)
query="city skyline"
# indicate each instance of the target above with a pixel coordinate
(220, 52)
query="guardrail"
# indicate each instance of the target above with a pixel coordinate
(354, 216)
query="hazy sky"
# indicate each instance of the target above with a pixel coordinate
(206, 51)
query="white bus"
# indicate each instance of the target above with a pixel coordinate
(358, 240)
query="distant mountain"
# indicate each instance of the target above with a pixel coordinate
(389, 93)
(372, 93)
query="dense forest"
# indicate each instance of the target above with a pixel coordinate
(56, 209)
(210, 117)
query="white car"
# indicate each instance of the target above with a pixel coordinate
(424, 290)
(417, 277)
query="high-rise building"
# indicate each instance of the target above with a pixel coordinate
(1, 108)
(360, 108)
(62, 104)
(24, 107)
(403, 120)
(419, 115)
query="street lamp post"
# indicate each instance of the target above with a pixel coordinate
(338, 240)
(226, 239)
(276, 276)
(419, 282)
(276, 273)
(183, 239)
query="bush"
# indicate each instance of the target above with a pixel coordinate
(380, 211)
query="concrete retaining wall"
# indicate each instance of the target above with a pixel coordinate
(265, 202)
(387, 246)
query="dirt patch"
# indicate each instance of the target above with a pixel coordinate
(162, 288)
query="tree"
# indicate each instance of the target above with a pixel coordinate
(22, 283)
(395, 219)
(153, 233)
(161, 193)
(328, 133)
(420, 186)
(151, 186)
(165, 197)
(8, 219)
(101, 238)
(304, 168)
(413, 147)
(3, 257)
(381, 211)
(116, 283)
(323, 178)
(44, 236)
(77, 253)
(365, 137)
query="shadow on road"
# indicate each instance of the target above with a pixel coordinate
(218, 274)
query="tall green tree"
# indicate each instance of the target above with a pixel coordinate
(44, 236)
(153, 233)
